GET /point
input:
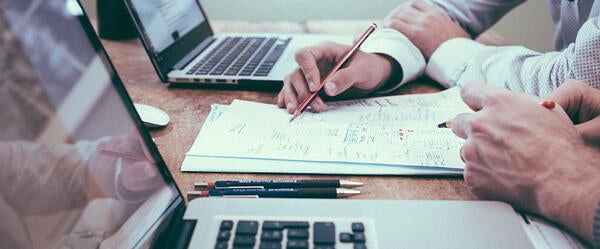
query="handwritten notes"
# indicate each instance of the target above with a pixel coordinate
(362, 133)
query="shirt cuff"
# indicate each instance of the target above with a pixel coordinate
(394, 44)
(449, 61)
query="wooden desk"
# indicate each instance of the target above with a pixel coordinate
(188, 108)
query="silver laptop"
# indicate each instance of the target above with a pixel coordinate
(183, 48)
(79, 169)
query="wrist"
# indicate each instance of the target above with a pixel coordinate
(572, 197)
(392, 74)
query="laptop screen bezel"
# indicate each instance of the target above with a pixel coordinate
(164, 61)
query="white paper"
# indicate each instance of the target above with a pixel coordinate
(347, 138)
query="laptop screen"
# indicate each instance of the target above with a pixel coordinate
(77, 168)
(171, 31)
(166, 21)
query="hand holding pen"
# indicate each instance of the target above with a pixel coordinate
(366, 73)
(342, 62)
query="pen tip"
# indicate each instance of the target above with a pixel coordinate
(201, 185)
(344, 192)
(446, 124)
(350, 184)
(295, 115)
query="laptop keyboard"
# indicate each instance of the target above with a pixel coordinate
(280, 234)
(244, 56)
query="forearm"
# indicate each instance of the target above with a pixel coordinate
(518, 68)
(573, 198)
(42, 170)
(475, 16)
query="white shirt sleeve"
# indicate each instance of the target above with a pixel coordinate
(460, 60)
(394, 44)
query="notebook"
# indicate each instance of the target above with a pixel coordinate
(84, 172)
(184, 49)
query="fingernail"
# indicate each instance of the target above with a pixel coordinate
(331, 88)
(312, 86)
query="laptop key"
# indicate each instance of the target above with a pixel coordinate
(324, 233)
(346, 237)
(272, 235)
(245, 227)
(359, 237)
(240, 240)
(221, 245)
(270, 245)
(226, 225)
(297, 233)
(297, 244)
(279, 225)
(359, 246)
(358, 227)
(223, 235)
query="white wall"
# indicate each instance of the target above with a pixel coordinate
(528, 25)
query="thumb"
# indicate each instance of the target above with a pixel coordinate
(590, 131)
(339, 82)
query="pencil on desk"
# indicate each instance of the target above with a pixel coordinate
(548, 104)
(346, 58)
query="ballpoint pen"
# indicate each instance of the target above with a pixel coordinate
(346, 58)
(257, 184)
(277, 193)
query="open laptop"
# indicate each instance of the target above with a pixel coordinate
(79, 170)
(183, 48)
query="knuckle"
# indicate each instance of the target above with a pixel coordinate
(495, 98)
(302, 54)
(478, 124)
(468, 152)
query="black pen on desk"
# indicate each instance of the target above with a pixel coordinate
(345, 59)
(257, 184)
(276, 193)
(548, 104)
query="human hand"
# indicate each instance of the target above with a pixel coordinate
(582, 104)
(424, 25)
(363, 74)
(527, 155)
(123, 169)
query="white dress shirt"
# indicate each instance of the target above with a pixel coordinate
(459, 60)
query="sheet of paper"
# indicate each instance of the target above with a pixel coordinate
(449, 98)
(348, 136)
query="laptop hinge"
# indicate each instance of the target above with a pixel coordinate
(175, 232)
(192, 54)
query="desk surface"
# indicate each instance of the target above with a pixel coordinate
(188, 108)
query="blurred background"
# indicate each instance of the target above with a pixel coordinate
(529, 24)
